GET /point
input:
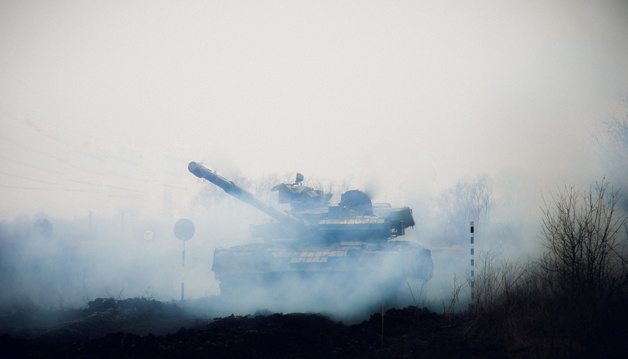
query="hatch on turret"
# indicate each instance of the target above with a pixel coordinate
(301, 197)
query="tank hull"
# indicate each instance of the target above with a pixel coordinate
(351, 274)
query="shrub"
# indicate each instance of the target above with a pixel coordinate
(571, 301)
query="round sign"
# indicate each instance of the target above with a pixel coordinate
(184, 229)
(149, 235)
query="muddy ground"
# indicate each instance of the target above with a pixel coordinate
(110, 328)
(144, 328)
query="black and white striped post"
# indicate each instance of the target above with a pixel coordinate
(472, 279)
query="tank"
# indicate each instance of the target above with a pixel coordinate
(352, 254)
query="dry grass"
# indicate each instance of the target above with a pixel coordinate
(571, 301)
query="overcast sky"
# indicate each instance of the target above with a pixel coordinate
(103, 103)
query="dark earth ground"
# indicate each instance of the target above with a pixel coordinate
(145, 328)
(110, 328)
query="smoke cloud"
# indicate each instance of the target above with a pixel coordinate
(102, 108)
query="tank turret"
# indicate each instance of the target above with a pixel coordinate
(354, 218)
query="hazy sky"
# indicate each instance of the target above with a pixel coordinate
(103, 103)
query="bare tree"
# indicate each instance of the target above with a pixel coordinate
(612, 141)
(469, 200)
(571, 301)
(585, 262)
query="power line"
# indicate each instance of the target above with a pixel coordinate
(37, 130)
(30, 179)
(21, 163)
(64, 185)
(49, 189)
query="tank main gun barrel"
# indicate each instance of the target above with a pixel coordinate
(243, 195)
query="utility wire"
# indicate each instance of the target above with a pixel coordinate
(30, 179)
(38, 130)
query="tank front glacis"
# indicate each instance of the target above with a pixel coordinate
(351, 247)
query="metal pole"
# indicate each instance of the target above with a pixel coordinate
(183, 271)
(184, 230)
(472, 280)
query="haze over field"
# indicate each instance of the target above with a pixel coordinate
(103, 104)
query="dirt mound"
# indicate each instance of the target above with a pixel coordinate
(146, 328)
